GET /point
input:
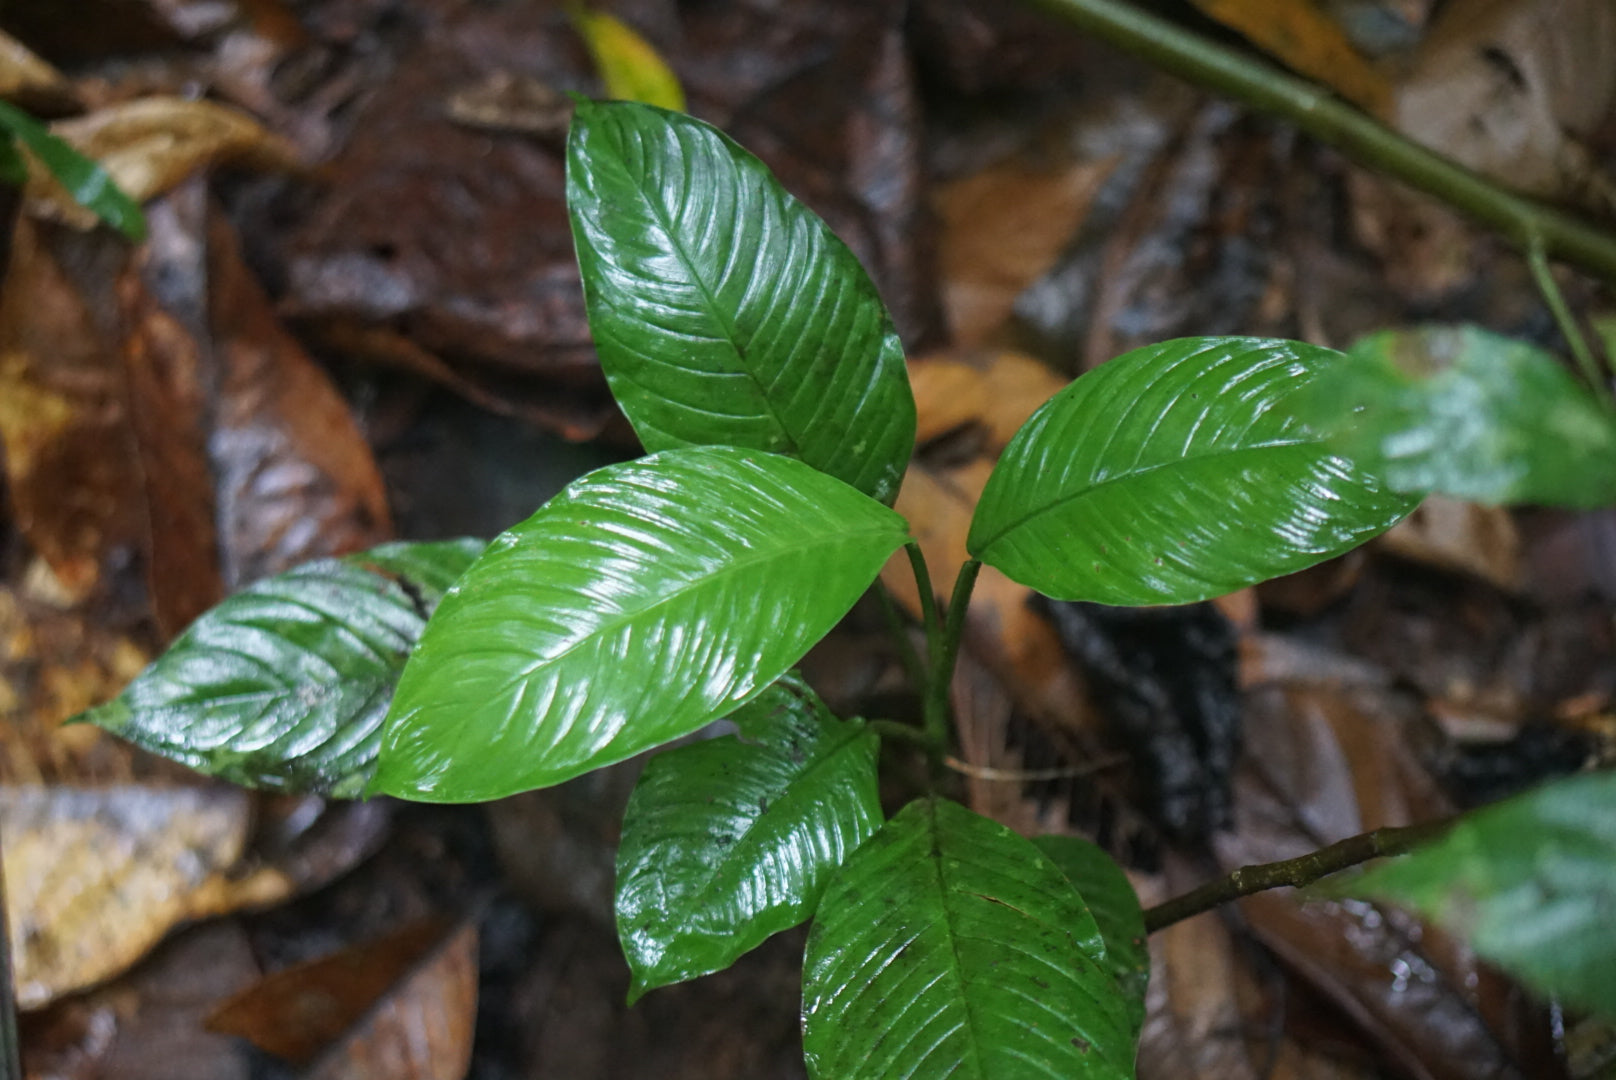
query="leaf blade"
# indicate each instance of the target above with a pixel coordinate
(1529, 882)
(645, 601)
(950, 945)
(1115, 906)
(726, 841)
(87, 182)
(723, 310)
(284, 684)
(1470, 414)
(1170, 475)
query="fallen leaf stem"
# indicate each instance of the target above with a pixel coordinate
(1297, 872)
(1313, 109)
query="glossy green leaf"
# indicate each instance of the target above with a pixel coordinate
(284, 685)
(948, 946)
(643, 602)
(730, 840)
(1172, 474)
(88, 183)
(1530, 883)
(724, 311)
(1469, 414)
(1115, 906)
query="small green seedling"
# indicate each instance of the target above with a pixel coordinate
(649, 599)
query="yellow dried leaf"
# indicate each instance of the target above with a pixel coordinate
(629, 66)
(26, 79)
(150, 145)
(95, 877)
(1305, 38)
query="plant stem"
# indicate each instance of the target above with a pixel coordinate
(1543, 275)
(907, 733)
(929, 616)
(942, 670)
(1314, 110)
(1297, 872)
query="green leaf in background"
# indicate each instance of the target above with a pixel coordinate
(1470, 414)
(1115, 906)
(724, 311)
(948, 946)
(1171, 475)
(87, 182)
(284, 685)
(1530, 883)
(13, 168)
(732, 839)
(644, 601)
(629, 66)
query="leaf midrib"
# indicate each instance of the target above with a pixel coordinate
(714, 310)
(612, 625)
(1183, 462)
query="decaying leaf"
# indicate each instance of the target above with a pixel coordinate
(30, 81)
(398, 1008)
(1455, 535)
(96, 876)
(1002, 229)
(152, 144)
(1511, 87)
(1304, 37)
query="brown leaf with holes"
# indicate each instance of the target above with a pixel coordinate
(1002, 229)
(398, 1008)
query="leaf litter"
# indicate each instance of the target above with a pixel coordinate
(333, 241)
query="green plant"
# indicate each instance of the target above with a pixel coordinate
(649, 599)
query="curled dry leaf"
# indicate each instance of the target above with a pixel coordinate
(151, 145)
(398, 1008)
(96, 876)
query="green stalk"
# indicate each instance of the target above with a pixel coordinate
(1314, 110)
(942, 672)
(1538, 260)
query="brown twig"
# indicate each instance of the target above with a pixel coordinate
(1031, 776)
(1297, 872)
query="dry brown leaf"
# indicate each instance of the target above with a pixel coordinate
(399, 1008)
(1304, 37)
(30, 81)
(151, 145)
(1002, 229)
(70, 455)
(1466, 537)
(997, 390)
(1509, 87)
(96, 876)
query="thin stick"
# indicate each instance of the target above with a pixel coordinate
(1543, 275)
(1317, 112)
(1031, 776)
(10, 1050)
(1297, 872)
